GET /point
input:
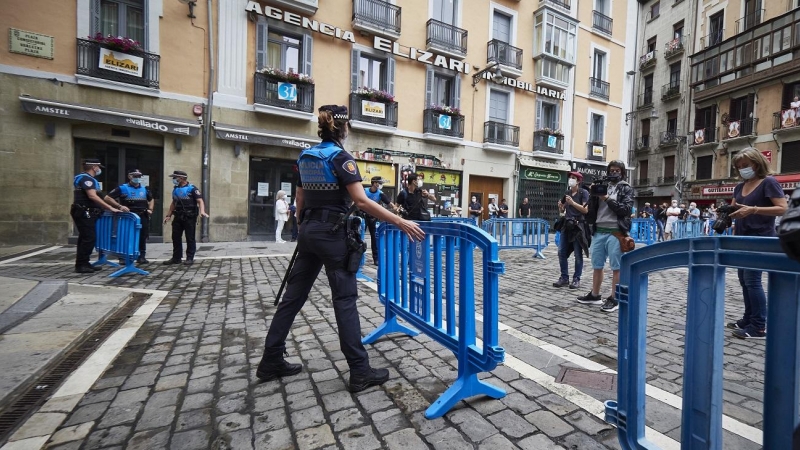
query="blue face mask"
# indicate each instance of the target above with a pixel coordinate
(136, 180)
(99, 171)
(175, 181)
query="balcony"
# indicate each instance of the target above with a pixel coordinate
(671, 91)
(507, 56)
(279, 98)
(563, 4)
(704, 136)
(601, 22)
(144, 71)
(749, 21)
(373, 116)
(446, 39)
(500, 136)
(599, 88)
(712, 39)
(547, 142)
(739, 129)
(643, 144)
(786, 119)
(595, 151)
(667, 180)
(377, 17)
(641, 182)
(443, 128)
(648, 60)
(645, 99)
(669, 138)
(308, 7)
(673, 47)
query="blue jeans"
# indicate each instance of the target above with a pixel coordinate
(563, 246)
(755, 301)
(660, 226)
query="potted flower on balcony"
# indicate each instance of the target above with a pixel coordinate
(446, 110)
(289, 77)
(374, 95)
(117, 43)
(551, 132)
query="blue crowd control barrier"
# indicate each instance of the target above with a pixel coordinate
(707, 259)
(455, 219)
(644, 231)
(687, 229)
(519, 233)
(419, 286)
(557, 239)
(118, 235)
(360, 275)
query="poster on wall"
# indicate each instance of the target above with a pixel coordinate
(373, 169)
(145, 180)
(286, 187)
(263, 190)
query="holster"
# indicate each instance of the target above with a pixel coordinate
(355, 247)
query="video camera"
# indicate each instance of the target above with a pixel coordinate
(599, 187)
(724, 220)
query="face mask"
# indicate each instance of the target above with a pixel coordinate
(99, 171)
(419, 183)
(380, 186)
(614, 177)
(674, 205)
(747, 172)
(136, 180)
(175, 181)
(572, 182)
(474, 199)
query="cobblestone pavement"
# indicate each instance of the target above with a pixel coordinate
(187, 378)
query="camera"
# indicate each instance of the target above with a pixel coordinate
(599, 187)
(724, 220)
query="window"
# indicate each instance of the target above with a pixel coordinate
(669, 167)
(651, 44)
(716, 26)
(599, 68)
(742, 107)
(655, 10)
(643, 169)
(597, 130)
(559, 37)
(121, 18)
(675, 74)
(501, 27)
(547, 115)
(498, 106)
(703, 167)
(445, 11)
(790, 157)
(601, 6)
(371, 71)
(677, 30)
(554, 70)
(646, 133)
(672, 121)
(790, 91)
(441, 89)
(280, 50)
(647, 98)
(705, 117)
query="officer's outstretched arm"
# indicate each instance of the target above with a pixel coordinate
(92, 194)
(368, 206)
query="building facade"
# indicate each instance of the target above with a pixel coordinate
(496, 99)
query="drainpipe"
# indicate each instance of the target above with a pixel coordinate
(207, 130)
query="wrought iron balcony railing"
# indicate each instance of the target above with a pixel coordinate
(437, 123)
(504, 53)
(667, 180)
(565, 4)
(500, 133)
(268, 92)
(705, 135)
(787, 118)
(749, 21)
(89, 65)
(648, 60)
(641, 182)
(671, 90)
(595, 151)
(548, 142)
(712, 39)
(646, 99)
(387, 118)
(447, 37)
(599, 88)
(601, 22)
(673, 47)
(377, 14)
(669, 138)
(739, 128)
(643, 144)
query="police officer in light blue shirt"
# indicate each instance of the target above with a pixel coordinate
(136, 198)
(375, 194)
(187, 202)
(86, 208)
(328, 181)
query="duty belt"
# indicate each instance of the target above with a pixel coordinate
(322, 215)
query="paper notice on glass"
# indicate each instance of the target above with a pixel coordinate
(263, 190)
(145, 180)
(286, 187)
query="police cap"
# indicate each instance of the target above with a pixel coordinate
(339, 111)
(178, 173)
(134, 172)
(93, 162)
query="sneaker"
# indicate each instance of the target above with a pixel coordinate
(590, 299)
(561, 283)
(750, 333)
(738, 325)
(374, 377)
(268, 372)
(171, 261)
(188, 262)
(610, 305)
(575, 284)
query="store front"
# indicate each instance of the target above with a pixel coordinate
(386, 171)
(543, 188)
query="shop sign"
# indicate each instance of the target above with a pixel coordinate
(254, 136)
(30, 44)
(553, 165)
(767, 154)
(590, 172)
(373, 109)
(542, 175)
(445, 122)
(525, 86)
(719, 190)
(597, 150)
(370, 169)
(287, 92)
(120, 62)
(434, 176)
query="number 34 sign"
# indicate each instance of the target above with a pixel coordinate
(287, 91)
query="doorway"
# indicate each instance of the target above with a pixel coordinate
(484, 188)
(267, 177)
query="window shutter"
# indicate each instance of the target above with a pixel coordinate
(261, 43)
(355, 56)
(95, 24)
(601, 125)
(456, 92)
(429, 79)
(538, 115)
(308, 53)
(557, 117)
(390, 76)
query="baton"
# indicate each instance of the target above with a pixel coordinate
(286, 277)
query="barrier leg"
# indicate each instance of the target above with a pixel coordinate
(390, 325)
(466, 385)
(128, 268)
(103, 259)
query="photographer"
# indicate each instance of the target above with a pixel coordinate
(573, 237)
(609, 214)
(415, 200)
(757, 200)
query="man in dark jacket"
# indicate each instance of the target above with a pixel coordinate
(609, 216)
(415, 199)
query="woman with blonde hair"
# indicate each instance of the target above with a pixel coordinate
(281, 215)
(759, 199)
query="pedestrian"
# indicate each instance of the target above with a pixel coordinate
(86, 208)
(328, 178)
(609, 215)
(760, 199)
(693, 212)
(186, 204)
(573, 235)
(672, 216)
(414, 199)
(524, 209)
(647, 211)
(475, 210)
(136, 198)
(281, 215)
(503, 213)
(293, 218)
(661, 220)
(374, 193)
(493, 208)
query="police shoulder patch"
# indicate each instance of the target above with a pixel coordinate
(197, 191)
(88, 183)
(350, 167)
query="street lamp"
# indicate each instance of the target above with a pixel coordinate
(497, 77)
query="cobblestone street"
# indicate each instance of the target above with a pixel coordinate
(186, 380)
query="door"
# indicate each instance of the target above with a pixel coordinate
(267, 177)
(716, 25)
(501, 31)
(445, 11)
(752, 14)
(498, 112)
(482, 188)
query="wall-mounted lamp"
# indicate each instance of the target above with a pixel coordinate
(191, 4)
(237, 150)
(653, 114)
(178, 144)
(50, 129)
(497, 77)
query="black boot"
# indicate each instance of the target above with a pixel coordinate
(142, 259)
(373, 377)
(277, 369)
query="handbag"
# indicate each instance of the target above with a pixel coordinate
(559, 224)
(424, 215)
(626, 243)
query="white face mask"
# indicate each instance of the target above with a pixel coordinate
(419, 182)
(572, 182)
(747, 172)
(99, 171)
(380, 186)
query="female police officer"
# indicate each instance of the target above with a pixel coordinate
(329, 179)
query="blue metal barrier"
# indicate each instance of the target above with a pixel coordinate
(519, 233)
(118, 235)
(644, 231)
(419, 286)
(557, 239)
(360, 275)
(682, 229)
(707, 259)
(455, 219)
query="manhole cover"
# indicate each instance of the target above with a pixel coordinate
(588, 379)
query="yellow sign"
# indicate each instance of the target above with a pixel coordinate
(597, 150)
(31, 44)
(121, 62)
(373, 109)
(435, 176)
(371, 169)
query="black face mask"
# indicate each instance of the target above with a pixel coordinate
(614, 177)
